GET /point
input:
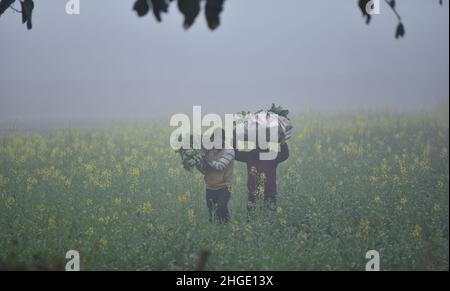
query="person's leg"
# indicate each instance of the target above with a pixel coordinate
(251, 204)
(223, 197)
(270, 202)
(210, 203)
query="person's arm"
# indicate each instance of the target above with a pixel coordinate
(201, 167)
(224, 161)
(283, 155)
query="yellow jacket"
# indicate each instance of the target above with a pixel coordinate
(219, 169)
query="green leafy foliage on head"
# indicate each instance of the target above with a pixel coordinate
(244, 113)
(279, 110)
(273, 109)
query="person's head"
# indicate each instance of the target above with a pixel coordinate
(217, 136)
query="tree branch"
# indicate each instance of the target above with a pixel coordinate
(392, 5)
(15, 9)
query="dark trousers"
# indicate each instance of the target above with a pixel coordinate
(270, 202)
(217, 201)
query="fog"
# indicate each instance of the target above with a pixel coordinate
(107, 63)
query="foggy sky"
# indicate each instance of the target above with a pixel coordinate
(306, 55)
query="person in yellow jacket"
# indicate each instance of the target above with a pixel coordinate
(218, 171)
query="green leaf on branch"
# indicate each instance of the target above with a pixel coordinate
(190, 9)
(4, 4)
(27, 11)
(141, 7)
(400, 31)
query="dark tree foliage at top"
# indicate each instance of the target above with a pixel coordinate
(400, 30)
(191, 9)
